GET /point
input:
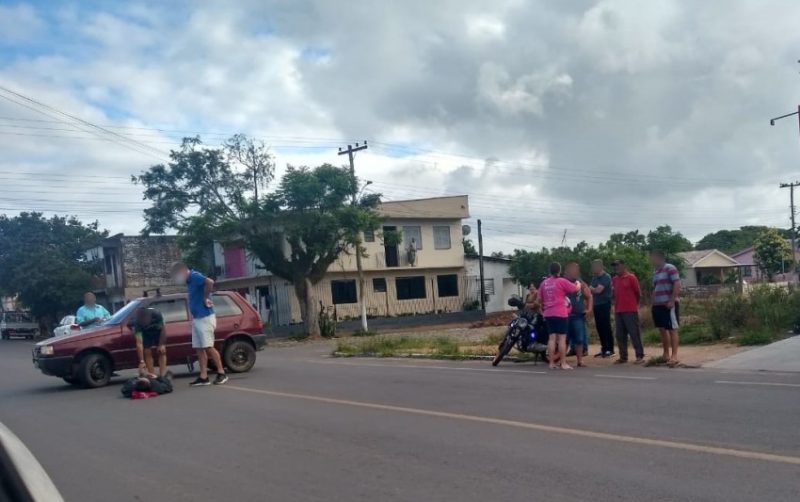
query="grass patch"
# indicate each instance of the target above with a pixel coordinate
(692, 334)
(656, 361)
(402, 345)
(761, 337)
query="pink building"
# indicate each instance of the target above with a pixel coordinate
(751, 273)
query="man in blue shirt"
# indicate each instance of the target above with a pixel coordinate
(91, 314)
(204, 322)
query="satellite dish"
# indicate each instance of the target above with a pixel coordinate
(465, 229)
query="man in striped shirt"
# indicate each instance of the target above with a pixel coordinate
(666, 312)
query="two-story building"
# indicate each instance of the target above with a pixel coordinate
(413, 264)
(132, 264)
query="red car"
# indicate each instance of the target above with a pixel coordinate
(90, 357)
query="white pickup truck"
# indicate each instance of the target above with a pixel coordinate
(18, 323)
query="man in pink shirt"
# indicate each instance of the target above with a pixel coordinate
(553, 293)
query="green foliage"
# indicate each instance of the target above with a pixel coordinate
(727, 313)
(771, 252)
(297, 231)
(733, 241)
(665, 239)
(759, 337)
(42, 261)
(327, 322)
(765, 308)
(469, 247)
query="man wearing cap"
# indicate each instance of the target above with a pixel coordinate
(627, 295)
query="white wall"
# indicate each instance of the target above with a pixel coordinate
(496, 274)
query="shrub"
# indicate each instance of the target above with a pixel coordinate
(727, 313)
(770, 308)
(760, 337)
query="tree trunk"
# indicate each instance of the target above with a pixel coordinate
(308, 307)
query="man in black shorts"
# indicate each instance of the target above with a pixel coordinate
(150, 334)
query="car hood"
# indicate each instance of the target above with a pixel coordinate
(82, 334)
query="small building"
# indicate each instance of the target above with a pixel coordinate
(414, 264)
(132, 264)
(497, 281)
(707, 267)
(752, 274)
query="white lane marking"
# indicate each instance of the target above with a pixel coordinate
(774, 384)
(426, 366)
(626, 377)
(675, 445)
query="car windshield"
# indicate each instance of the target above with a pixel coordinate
(122, 313)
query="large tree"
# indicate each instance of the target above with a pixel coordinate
(42, 262)
(772, 252)
(733, 241)
(297, 231)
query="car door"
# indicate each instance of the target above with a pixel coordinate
(229, 316)
(179, 328)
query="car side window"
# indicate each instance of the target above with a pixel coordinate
(225, 306)
(172, 310)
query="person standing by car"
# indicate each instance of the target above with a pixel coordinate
(151, 336)
(627, 295)
(91, 313)
(581, 302)
(666, 306)
(601, 292)
(204, 322)
(553, 292)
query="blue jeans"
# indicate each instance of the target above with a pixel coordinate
(576, 333)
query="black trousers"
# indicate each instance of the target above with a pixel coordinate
(602, 319)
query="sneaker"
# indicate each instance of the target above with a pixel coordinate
(639, 360)
(620, 361)
(609, 353)
(600, 354)
(221, 379)
(200, 382)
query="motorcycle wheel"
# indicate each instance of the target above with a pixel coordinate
(502, 350)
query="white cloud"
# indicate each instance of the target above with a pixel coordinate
(595, 116)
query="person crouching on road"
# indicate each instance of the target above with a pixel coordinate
(204, 322)
(553, 293)
(151, 336)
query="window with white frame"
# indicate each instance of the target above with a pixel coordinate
(441, 237)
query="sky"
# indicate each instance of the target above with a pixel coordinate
(562, 120)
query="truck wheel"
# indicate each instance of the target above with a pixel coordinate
(239, 356)
(94, 371)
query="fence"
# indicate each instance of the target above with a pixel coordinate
(408, 293)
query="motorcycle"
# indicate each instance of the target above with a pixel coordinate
(526, 332)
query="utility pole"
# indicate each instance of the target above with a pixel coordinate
(350, 151)
(791, 197)
(480, 267)
(791, 186)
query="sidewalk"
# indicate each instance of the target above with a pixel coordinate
(778, 356)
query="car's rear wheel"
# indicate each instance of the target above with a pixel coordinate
(239, 356)
(95, 370)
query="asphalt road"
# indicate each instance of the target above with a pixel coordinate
(304, 427)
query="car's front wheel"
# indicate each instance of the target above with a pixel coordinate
(95, 370)
(239, 356)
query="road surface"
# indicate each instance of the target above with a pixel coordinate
(305, 427)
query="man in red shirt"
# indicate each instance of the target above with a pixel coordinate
(626, 310)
